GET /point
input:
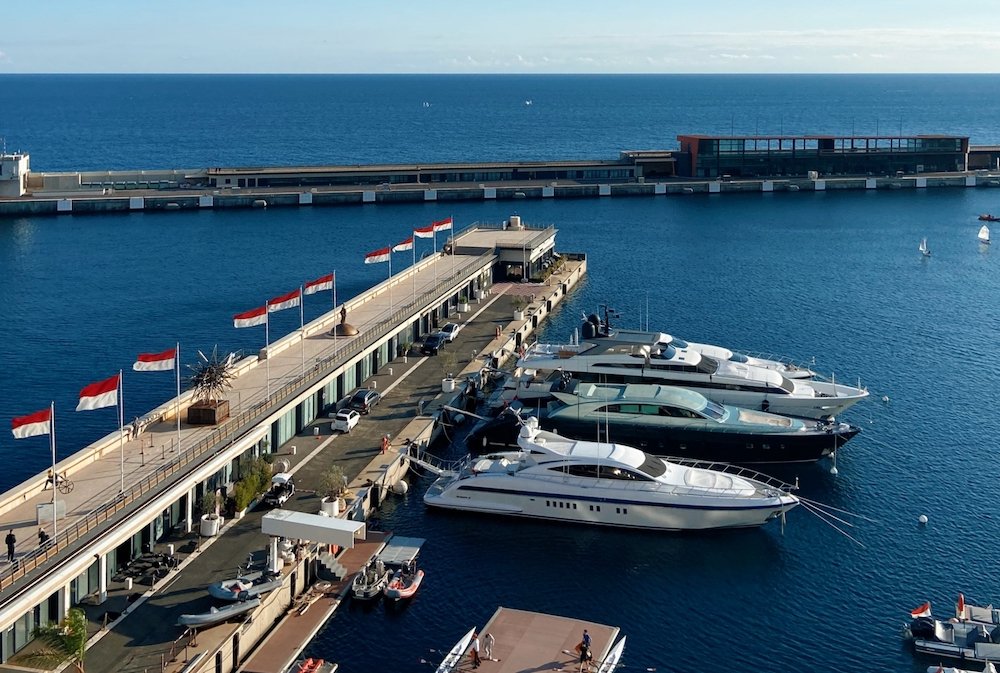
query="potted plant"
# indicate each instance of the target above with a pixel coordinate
(449, 359)
(519, 304)
(333, 487)
(406, 350)
(58, 643)
(211, 520)
(463, 303)
(211, 377)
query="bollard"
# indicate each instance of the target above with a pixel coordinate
(170, 550)
(316, 431)
(291, 450)
(390, 371)
(128, 584)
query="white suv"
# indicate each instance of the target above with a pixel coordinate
(345, 420)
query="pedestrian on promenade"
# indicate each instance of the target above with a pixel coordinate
(11, 541)
(43, 538)
(385, 443)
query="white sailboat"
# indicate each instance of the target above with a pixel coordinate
(923, 248)
(984, 235)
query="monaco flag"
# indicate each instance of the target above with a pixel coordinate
(290, 300)
(257, 316)
(378, 256)
(320, 284)
(922, 611)
(155, 362)
(442, 225)
(424, 232)
(960, 607)
(32, 425)
(404, 245)
(99, 395)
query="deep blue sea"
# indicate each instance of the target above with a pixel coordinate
(831, 276)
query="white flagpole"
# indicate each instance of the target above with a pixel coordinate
(177, 367)
(454, 242)
(55, 475)
(413, 270)
(390, 280)
(434, 244)
(335, 308)
(302, 327)
(267, 347)
(121, 424)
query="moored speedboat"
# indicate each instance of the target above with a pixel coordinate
(671, 421)
(370, 581)
(561, 479)
(404, 583)
(972, 635)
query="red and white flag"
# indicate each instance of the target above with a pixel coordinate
(257, 316)
(922, 611)
(424, 232)
(960, 607)
(290, 300)
(442, 225)
(99, 395)
(32, 425)
(404, 245)
(378, 256)
(318, 285)
(155, 362)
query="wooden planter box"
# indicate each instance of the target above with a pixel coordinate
(210, 413)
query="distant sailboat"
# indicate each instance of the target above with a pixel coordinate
(984, 235)
(923, 248)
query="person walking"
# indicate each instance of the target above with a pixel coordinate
(475, 651)
(43, 538)
(488, 642)
(586, 639)
(385, 443)
(11, 541)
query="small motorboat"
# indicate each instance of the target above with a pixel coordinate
(370, 581)
(986, 217)
(247, 586)
(404, 584)
(972, 635)
(455, 654)
(216, 615)
(990, 668)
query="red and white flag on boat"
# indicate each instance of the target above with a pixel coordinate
(424, 232)
(32, 425)
(442, 225)
(257, 316)
(290, 300)
(99, 395)
(960, 606)
(404, 245)
(318, 285)
(378, 256)
(922, 611)
(155, 362)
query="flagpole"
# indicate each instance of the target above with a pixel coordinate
(267, 347)
(390, 280)
(302, 327)
(121, 424)
(413, 271)
(454, 241)
(177, 368)
(434, 244)
(55, 475)
(335, 308)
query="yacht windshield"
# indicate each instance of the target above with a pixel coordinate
(708, 365)
(653, 466)
(714, 410)
(739, 357)
(679, 343)
(665, 351)
(787, 385)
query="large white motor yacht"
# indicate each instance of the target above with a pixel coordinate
(555, 478)
(543, 366)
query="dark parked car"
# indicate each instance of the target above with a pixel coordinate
(364, 399)
(433, 343)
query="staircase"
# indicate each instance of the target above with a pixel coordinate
(328, 568)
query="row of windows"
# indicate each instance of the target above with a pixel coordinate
(592, 377)
(572, 505)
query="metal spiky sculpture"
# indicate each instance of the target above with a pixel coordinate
(212, 376)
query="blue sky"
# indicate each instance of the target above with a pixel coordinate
(579, 36)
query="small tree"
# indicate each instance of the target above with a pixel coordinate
(519, 302)
(333, 482)
(209, 503)
(59, 642)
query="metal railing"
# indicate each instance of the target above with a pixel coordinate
(228, 432)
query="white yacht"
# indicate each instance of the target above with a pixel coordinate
(560, 479)
(544, 366)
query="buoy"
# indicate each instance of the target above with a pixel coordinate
(885, 399)
(922, 519)
(833, 469)
(400, 487)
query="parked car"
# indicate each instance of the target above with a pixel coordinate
(364, 400)
(451, 331)
(345, 420)
(281, 489)
(433, 343)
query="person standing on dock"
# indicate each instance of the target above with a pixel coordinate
(475, 651)
(488, 642)
(11, 541)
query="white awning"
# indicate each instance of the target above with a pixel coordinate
(312, 527)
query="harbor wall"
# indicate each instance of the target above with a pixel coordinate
(85, 202)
